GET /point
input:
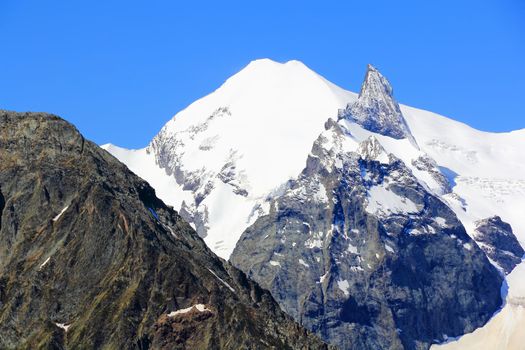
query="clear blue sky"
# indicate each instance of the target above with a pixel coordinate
(120, 69)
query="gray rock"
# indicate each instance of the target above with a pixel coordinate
(358, 251)
(376, 109)
(496, 239)
(90, 258)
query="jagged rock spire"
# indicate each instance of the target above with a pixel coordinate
(376, 109)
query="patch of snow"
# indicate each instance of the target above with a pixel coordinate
(44, 263)
(344, 286)
(440, 221)
(430, 229)
(352, 248)
(320, 195)
(315, 241)
(223, 281)
(275, 263)
(382, 201)
(61, 212)
(323, 277)
(415, 232)
(169, 229)
(64, 326)
(389, 248)
(301, 261)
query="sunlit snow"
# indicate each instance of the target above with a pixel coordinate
(198, 307)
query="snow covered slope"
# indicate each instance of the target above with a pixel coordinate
(230, 149)
(486, 169)
(220, 159)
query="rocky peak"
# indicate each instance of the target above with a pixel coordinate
(376, 109)
(353, 249)
(376, 85)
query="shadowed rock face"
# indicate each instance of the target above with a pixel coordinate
(90, 258)
(361, 253)
(496, 239)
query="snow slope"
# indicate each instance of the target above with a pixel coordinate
(235, 147)
(488, 170)
(242, 141)
(277, 111)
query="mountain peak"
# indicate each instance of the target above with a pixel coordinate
(376, 109)
(375, 84)
(268, 66)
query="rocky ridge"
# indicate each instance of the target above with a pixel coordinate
(90, 258)
(496, 239)
(361, 253)
(376, 109)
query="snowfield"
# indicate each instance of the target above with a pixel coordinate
(270, 114)
(238, 146)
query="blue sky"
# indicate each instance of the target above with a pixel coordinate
(120, 69)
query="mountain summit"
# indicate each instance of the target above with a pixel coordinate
(91, 259)
(217, 150)
(376, 109)
(234, 160)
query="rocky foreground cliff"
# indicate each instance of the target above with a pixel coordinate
(90, 258)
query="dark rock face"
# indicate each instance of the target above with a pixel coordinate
(496, 239)
(376, 109)
(362, 254)
(90, 258)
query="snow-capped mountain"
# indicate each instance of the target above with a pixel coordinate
(226, 157)
(228, 151)
(357, 246)
(376, 109)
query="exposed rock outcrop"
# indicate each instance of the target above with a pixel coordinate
(496, 239)
(361, 253)
(90, 258)
(376, 109)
